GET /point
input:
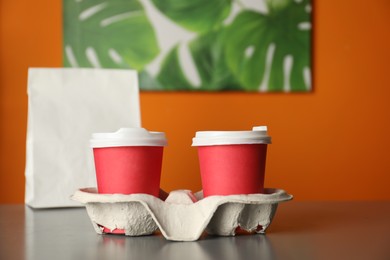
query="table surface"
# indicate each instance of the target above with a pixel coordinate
(300, 230)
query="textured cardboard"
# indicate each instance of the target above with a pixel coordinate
(183, 216)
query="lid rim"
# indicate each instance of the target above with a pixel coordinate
(111, 145)
(230, 142)
(136, 136)
(209, 138)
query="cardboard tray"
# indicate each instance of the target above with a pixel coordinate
(182, 216)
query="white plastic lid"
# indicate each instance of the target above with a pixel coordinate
(128, 137)
(258, 135)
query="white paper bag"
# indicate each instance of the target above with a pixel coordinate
(65, 106)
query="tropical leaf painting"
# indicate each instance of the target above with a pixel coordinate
(197, 45)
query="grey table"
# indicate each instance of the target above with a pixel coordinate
(300, 230)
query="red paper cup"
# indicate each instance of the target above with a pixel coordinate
(130, 169)
(128, 161)
(232, 162)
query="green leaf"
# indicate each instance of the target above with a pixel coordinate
(208, 55)
(195, 15)
(253, 35)
(171, 76)
(110, 33)
(206, 52)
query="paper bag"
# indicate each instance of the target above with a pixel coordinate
(65, 106)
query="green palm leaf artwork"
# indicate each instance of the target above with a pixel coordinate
(197, 45)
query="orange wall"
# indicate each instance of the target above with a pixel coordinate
(331, 144)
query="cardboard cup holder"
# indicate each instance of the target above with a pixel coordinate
(182, 215)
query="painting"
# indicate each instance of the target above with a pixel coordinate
(197, 45)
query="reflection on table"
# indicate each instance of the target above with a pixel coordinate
(79, 239)
(300, 230)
